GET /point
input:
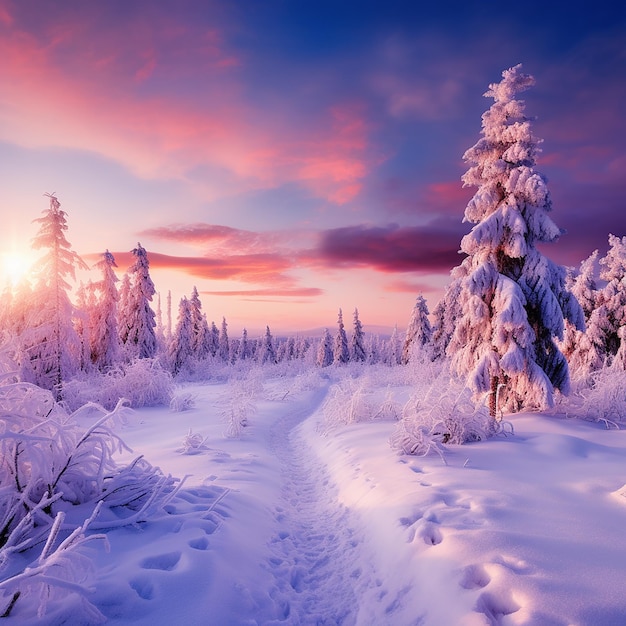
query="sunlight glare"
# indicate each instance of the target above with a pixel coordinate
(13, 267)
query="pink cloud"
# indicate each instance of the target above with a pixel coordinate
(86, 90)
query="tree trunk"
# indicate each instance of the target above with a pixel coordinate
(493, 397)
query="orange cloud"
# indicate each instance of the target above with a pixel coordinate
(249, 268)
(296, 292)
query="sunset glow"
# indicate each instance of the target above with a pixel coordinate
(14, 266)
(289, 160)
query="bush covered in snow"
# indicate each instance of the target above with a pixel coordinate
(601, 397)
(444, 414)
(142, 382)
(54, 474)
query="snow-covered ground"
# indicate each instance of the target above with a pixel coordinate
(295, 523)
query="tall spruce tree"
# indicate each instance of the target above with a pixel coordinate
(513, 299)
(140, 338)
(419, 332)
(181, 346)
(341, 353)
(357, 345)
(52, 344)
(105, 343)
(324, 356)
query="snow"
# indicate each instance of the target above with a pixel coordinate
(299, 522)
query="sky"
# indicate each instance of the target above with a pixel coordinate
(292, 158)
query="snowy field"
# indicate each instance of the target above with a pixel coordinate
(293, 521)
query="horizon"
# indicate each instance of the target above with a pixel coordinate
(290, 161)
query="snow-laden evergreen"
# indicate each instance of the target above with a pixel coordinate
(267, 352)
(105, 346)
(200, 345)
(357, 341)
(341, 352)
(513, 299)
(325, 354)
(51, 341)
(139, 335)
(419, 332)
(182, 346)
(612, 298)
(223, 345)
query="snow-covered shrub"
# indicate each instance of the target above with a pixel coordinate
(183, 401)
(602, 400)
(60, 579)
(353, 400)
(142, 383)
(50, 464)
(348, 402)
(193, 443)
(240, 404)
(444, 414)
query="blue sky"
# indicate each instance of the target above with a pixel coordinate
(291, 158)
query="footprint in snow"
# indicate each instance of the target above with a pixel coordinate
(166, 562)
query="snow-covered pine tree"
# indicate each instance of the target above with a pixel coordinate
(168, 329)
(203, 339)
(105, 343)
(223, 347)
(124, 309)
(267, 353)
(290, 349)
(181, 347)
(244, 346)
(214, 339)
(341, 353)
(83, 322)
(393, 353)
(513, 299)
(51, 342)
(581, 349)
(325, 350)
(141, 339)
(357, 345)
(200, 326)
(613, 296)
(419, 332)
(445, 316)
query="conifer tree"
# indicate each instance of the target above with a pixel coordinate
(52, 343)
(393, 354)
(418, 332)
(325, 350)
(268, 353)
(445, 316)
(200, 326)
(214, 339)
(105, 345)
(357, 351)
(584, 350)
(183, 337)
(341, 353)
(141, 338)
(244, 346)
(513, 299)
(223, 347)
(612, 298)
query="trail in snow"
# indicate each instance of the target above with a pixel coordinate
(312, 551)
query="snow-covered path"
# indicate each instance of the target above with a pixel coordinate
(312, 548)
(284, 526)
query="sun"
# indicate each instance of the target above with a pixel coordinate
(14, 266)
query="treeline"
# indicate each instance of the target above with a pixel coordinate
(113, 322)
